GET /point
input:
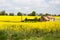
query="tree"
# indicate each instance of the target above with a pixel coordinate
(47, 14)
(32, 14)
(54, 15)
(41, 14)
(3, 13)
(59, 15)
(11, 14)
(19, 14)
(6, 14)
(24, 14)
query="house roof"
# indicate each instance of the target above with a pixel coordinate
(47, 18)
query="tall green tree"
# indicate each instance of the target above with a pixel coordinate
(11, 14)
(59, 15)
(41, 14)
(47, 14)
(32, 14)
(6, 14)
(19, 14)
(3, 13)
(24, 14)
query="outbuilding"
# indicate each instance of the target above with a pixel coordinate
(47, 18)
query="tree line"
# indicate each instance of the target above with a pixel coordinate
(33, 13)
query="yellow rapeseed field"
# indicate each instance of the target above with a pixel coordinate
(16, 18)
(13, 23)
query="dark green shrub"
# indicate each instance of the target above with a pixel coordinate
(39, 19)
(26, 19)
(35, 19)
(3, 35)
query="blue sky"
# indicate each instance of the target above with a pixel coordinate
(27, 6)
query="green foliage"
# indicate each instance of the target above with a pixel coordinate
(58, 15)
(35, 19)
(3, 35)
(47, 14)
(32, 14)
(19, 14)
(32, 34)
(41, 14)
(24, 14)
(11, 14)
(31, 20)
(3, 13)
(6, 14)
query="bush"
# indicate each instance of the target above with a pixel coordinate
(3, 35)
(35, 19)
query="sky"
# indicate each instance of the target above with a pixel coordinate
(27, 6)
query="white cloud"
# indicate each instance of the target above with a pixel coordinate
(4, 3)
(17, 8)
(17, 1)
(29, 5)
(55, 2)
(32, 3)
(27, 8)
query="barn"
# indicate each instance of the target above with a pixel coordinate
(47, 18)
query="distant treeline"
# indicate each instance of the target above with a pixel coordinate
(33, 13)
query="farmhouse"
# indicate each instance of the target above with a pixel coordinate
(47, 18)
